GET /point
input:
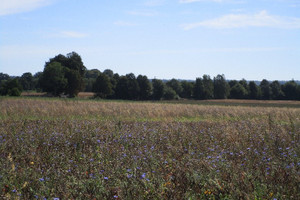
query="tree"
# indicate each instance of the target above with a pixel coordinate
(102, 87)
(74, 74)
(221, 87)
(238, 92)
(132, 87)
(4, 77)
(276, 90)
(175, 85)
(158, 89)
(53, 79)
(145, 87)
(254, 90)
(169, 93)
(204, 88)
(121, 88)
(290, 90)
(26, 80)
(36, 78)
(266, 91)
(108, 73)
(187, 89)
(11, 87)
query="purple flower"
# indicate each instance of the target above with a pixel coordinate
(105, 178)
(42, 179)
(143, 175)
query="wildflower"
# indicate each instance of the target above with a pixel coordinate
(55, 198)
(143, 175)
(115, 196)
(32, 163)
(42, 179)
(105, 178)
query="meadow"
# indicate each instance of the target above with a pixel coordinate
(87, 149)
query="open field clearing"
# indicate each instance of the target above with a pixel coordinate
(70, 149)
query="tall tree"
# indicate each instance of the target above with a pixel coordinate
(276, 91)
(26, 80)
(158, 89)
(238, 91)
(290, 90)
(121, 88)
(266, 91)
(74, 74)
(199, 89)
(145, 87)
(132, 87)
(221, 87)
(175, 85)
(254, 90)
(102, 87)
(11, 87)
(187, 89)
(53, 79)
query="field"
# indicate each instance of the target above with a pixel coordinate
(87, 149)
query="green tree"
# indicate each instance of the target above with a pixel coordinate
(121, 88)
(11, 87)
(254, 90)
(74, 74)
(133, 88)
(145, 87)
(26, 80)
(238, 91)
(175, 85)
(276, 90)
(221, 87)
(199, 89)
(169, 93)
(204, 88)
(53, 79)
(102, 87)
(187, 89)
(265, 88)
(290, 90)
(158, 89)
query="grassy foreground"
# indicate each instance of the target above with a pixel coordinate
(65, 149)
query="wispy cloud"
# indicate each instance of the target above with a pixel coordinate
(9, 7)
(124, 23)
(152, 3)
(261, 19)
(144, 13)
(217, 1)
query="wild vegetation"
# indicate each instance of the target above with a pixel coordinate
(83, 149)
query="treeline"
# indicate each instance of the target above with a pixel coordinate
(66, 75)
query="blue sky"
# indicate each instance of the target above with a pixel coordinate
(184, 39)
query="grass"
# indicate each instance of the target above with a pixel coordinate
(83, 149)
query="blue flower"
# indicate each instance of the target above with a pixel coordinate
(143, 175)
(55, 198)
(42, 179)
(105, 178)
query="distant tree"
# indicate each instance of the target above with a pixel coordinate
(26, 80)
(53, 79)
(121, 88)
(266, 91)
(232, 83)
(102, 87)
(199, 89)
(187, 89)
(169, 93)
(238, 91)
(132, 87)
(4, 77)
(276, 91)
(204, 88)
(108, 73)
(290, 90)
(145, 87)
(254, 90)
(158, 89)
(36, 78)
(74, 74)
(175, 85)
(92, 74)
(11, 87)
(221, 87)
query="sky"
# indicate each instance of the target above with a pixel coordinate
(164, 39)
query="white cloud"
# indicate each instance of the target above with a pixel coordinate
(143, 13)
(123, 23)
(9, 7)
(261, 19)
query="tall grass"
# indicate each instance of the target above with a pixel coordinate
(113, 150)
